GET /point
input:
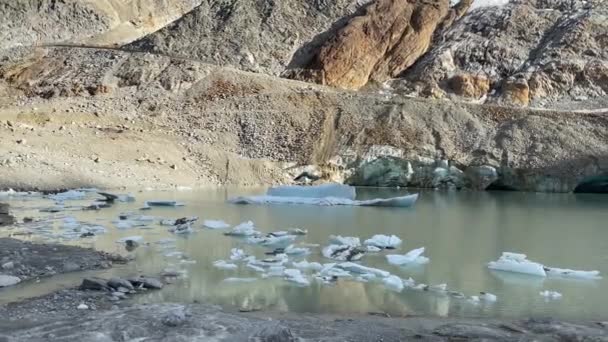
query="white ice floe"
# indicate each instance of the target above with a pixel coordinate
(272, 241)
(70, 195)
(13, 193)
(317, 191)
(515, 262)
(412, 257)
(487, 297)
(240, 280)
(356, 268)
(163, 203)
(237, 254)
(344, 240)
(167, 222)
(305, 265)
(393, 283)
(135, 238)
(255, 268)
(215, 224)
(343, 252)
(296, 251)
(373, 249)
(404, 201)
(331, 270)
(550, 294)
(243, 229)
(222, 264)
(278, 260)
(295, 276)
(383, 241)
(297, 231)
(567, 273)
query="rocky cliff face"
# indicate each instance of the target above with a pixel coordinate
(254, 35)
(528, 52)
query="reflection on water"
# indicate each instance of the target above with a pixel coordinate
(462, 231)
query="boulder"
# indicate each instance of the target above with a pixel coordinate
(469, 85)
(94, 284)
(117, 283)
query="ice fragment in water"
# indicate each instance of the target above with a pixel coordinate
(243, 229)
(515, 262)
(317, 191)
(344, 240)
(551, 294)
(356, 268)
(221, 264)
(272, 241)
(68, 195)
(488, 297)
(297, 251)
(237, 254)
(373, 249)
(305, 265)
(215, 224)
(393, 283)
(568, 273)
(383, 241)
(295, 276)
(343, 252)
(403, 201)
(412, 257)
(240, 280)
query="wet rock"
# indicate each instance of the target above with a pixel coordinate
(274, 333)
(118, 294)
(108, 197)
(5, 217)
(470, 332)
(146, 282)
(175, 318)
(94, 284)
(70, 266)
(7, 280)
(117, 283)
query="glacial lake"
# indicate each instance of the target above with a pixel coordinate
(462, 232)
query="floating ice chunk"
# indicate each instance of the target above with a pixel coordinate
(487, 297)
(297, 231)
(298, 251)
(568, 273)
(412, 257)
(274, 271)
(343, 252)
(221, 264)
(278, 233)
(295, 276)
(237, 254)
(305, 265)
(515, 262)
(279, 260)
(13, 193)
(383, 241)
(215, 224)
(409, 282)
(174, 254)
(243, 229)
(551, 294)
(255, 268)
(185, 228)
(123, 224)
(126, 198)
(69, 195)
(404, 201)
(135, 238)
(317, 191)
(365, 277)
(167, 222)
(393, 283)
(344, 240)
(474, 299)
(240, 280)
(163, 203)
(356, 268)
(373, 249)
(272, 241)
